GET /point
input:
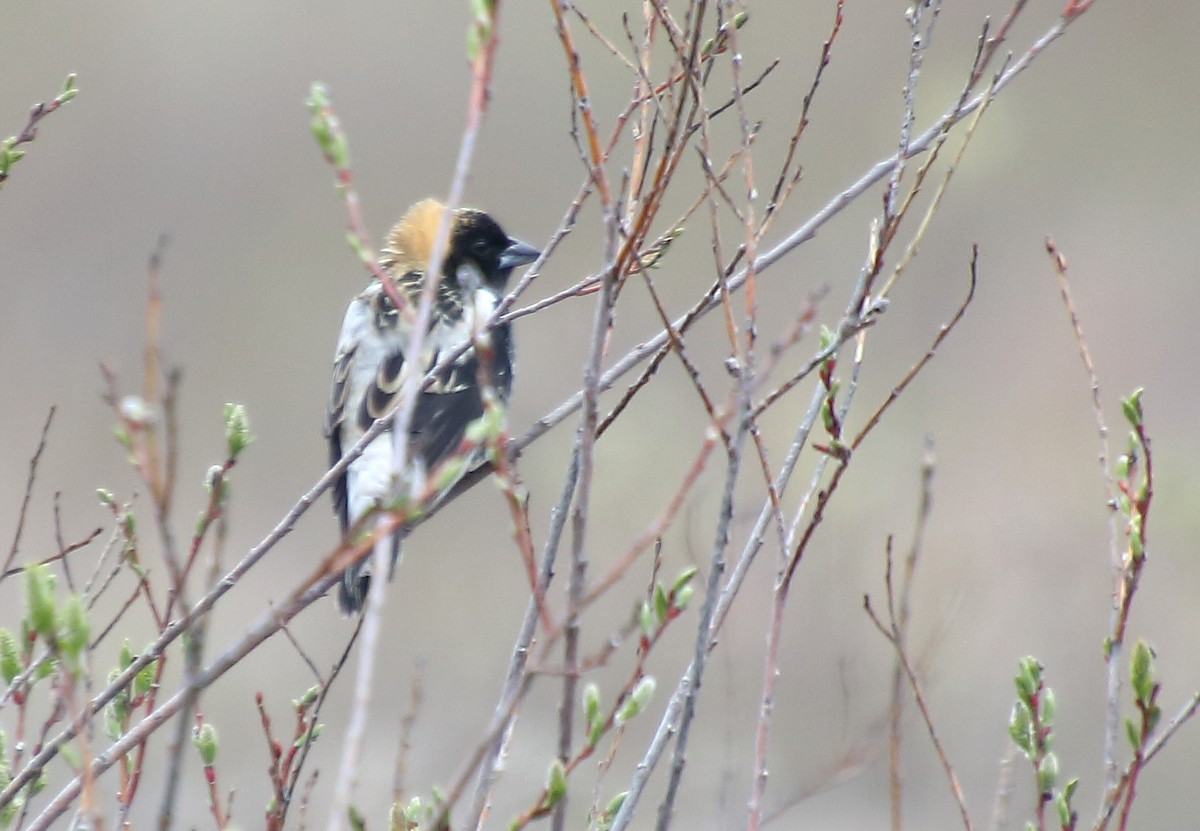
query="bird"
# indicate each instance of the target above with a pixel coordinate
(372, 359)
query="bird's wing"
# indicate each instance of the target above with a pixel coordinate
(340, 431)
(440, 420)
(335, 417)
(453, 401)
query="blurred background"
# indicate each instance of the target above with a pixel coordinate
(190, 123)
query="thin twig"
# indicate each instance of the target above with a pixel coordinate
(416, 698)
(311, 735)
(585, 447)
(33, 465)
(899, 609)
(9, 155)
(888, 631)
(1112, 720)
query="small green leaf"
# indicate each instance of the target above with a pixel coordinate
(684, 578)
(637, 700)
(614, 804)
(114, 723)
(556, 783)
(683, 597)
(204, 738)
(1020, 728)
(591, 703)
(1141, 672)
(10, 661)
(1028, 678)
(1132, 408)
(644, 691)
(412, 811)
(1047, 773)
(308, 736)
(74, 631)
(1063, 809)
(39, 599)
(646, 619)
(308, 699)
(825, 338)
(1133, 734)
(1122, 466)
(237, 429)
(661, 606)
(144, 679)
(324, 123)
(591, 713)
(1049, 706)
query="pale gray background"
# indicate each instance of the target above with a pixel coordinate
(190, 122)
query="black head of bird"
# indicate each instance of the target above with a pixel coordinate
(478, 253)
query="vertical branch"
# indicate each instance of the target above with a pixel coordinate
(1115, 640)
(150, 373)
(918, 43)
(901, 615)
(749, 223)
(585, 446)
(716, 568)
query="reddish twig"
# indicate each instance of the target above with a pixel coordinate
(890, 632)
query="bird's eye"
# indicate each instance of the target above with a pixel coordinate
(479, 247)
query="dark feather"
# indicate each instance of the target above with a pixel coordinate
(382, 395)
(335, 414)
(454, 401)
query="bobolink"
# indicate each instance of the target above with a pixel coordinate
(373, 358)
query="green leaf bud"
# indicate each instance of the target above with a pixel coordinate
(204, 738)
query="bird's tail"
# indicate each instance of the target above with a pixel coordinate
(356, 580)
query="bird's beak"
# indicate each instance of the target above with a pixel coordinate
(517, 254)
